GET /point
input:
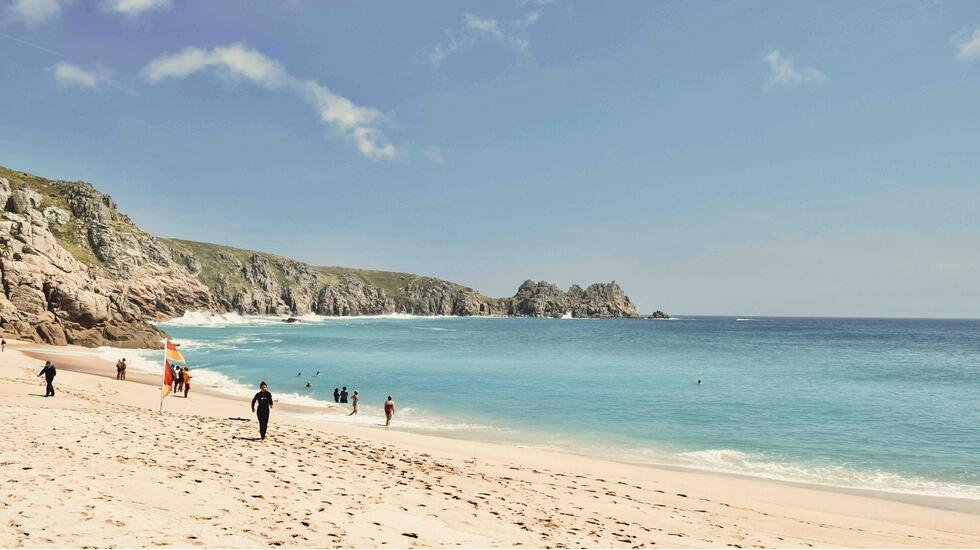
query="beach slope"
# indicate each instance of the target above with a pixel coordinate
(98, 465)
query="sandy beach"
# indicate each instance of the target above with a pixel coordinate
(98, 465)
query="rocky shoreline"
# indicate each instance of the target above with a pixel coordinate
(75, 270)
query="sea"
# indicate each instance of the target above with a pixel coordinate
(883, 404)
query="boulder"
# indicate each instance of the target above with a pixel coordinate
(23, 201)
(89, 338)
(52, 333)
(56, 215)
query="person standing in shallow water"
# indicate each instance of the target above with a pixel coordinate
(343, 395)
(264, 401)
(336, 395)
(389, 411)
(354, 399)
(49, 373)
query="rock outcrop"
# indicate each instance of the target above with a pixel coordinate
(49, 295)
(599, 300)
(658, 315)
(75, 270)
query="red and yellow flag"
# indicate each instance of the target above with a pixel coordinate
(173, 353)
(170, 353)
(168, 378)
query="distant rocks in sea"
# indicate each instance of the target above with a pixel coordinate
(659, 315)
(292, 320)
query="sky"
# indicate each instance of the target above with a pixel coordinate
(742, 158)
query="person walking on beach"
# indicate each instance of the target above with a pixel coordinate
(177, 373)
(187, 381)
(336, 395)
(49, 373)
(3, 345)
(121, 369)
(343, 395)
(354, 401)
(264, 401)
(389, 411)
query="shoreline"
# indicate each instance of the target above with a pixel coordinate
(97, 366)
(336, 484)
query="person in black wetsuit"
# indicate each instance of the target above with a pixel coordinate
(49, 372)
(336, 395)
(264, 401)
(343, 395)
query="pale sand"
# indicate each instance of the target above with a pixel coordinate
(97, 465)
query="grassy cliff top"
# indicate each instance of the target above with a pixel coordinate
(216, 258)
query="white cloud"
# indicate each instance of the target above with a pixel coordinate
(476, 28)
(783, 73)
(70, 75)
(238, 61)
(135, 8)
(352, 120)
(233, 61)
(483, 24)
(968, 46)
(36, 12)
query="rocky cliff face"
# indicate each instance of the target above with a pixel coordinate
(75, 270)
(50, 295)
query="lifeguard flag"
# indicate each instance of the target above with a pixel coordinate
(168, 379)
(173, 353)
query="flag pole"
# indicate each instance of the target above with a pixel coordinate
(164, 375)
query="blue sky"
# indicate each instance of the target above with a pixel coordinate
(732, 157)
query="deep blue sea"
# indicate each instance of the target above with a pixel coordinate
(871, 403)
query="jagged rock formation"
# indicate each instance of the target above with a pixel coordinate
(658, 315)
(76, 270)
(599, 300)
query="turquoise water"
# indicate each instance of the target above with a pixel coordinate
(883, 404)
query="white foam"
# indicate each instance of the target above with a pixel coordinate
(206, 319)
(744, 319)
(738, 462)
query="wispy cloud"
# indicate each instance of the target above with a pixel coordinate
(69, 75)
(968, 45)
(433, 154)
(135, 8)
(240, 62)
(783, 73)
(36, 12)
(474, 29)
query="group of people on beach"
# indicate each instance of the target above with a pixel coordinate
(262, 405)
(261, 402)
(181, 377)
(341, 396)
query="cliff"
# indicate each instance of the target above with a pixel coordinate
(76, 270)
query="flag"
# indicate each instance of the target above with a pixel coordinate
(173, 353)
(168, 378)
